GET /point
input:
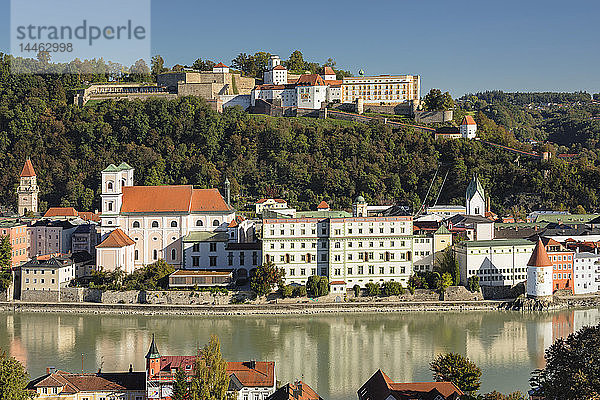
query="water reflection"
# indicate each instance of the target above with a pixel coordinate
(335, 354)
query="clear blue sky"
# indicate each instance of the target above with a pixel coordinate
(460, 46)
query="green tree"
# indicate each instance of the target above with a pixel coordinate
(373, 289)
(445, 282)
(392, 288)
(266, 278)
(296, 62)
(572, 368)
(455, 368)
(447, 262)
(473, 283)
(499, 396)
(157, 65)
(356, 289)
(5, 252)
(317, 286)
(211, 380)
(180, 385)
(13, 379)
(435, 100)
(287, 291)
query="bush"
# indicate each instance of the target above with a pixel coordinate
(317, 286)
(287, 291)
(373, 289)
(299, 291)
(473, 283)
(392, 288)
(356, 289)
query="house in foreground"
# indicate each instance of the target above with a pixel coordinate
(381, 387)
(295, 391)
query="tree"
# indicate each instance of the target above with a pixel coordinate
(13, 379)
(447, 262)
(296, 62)
(445, 282)
(473, 283)
(287, 291)
(317, 286)
(435, 100)
(180, 386)
(455, 368)
(499, 396)
(356, 289)
(373, 289)
(211, 380)
(572, 368)
(201, 65)
(392, 288)
(5, 252)
(265, 279)
(158, 65)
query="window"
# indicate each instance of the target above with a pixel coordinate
(155, 224)
(337, 245)
(242, 260)
(136, 255)
(213, 247)
(110, 186)
(199, 222)
(196, 248)
(292, 271)
(360, 270)
(110, 206)
(155, 254)
(136, 224)
(196, 261)
(323, 257)
(371, 269)
(324, 271)
(302, 271)
(173, 224)
(213, 261)
(173, 254)
(216, 222)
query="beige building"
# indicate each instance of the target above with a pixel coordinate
(116, 252)
(47, 273)
(263, 204)
(428, 247)
(382, 89)
(28, 190)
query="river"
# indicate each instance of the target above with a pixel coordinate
(335, 354)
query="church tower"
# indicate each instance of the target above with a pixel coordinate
(114, 179)
(475, 197)
(152, 360)
(28, 190)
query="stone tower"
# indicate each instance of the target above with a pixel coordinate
(28, 190)
(539, 273)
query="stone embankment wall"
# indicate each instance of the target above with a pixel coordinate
(460, 293)
(503, 292)
(432, 117)
(41, 296)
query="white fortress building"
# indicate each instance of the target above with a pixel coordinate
(382, 89)
(468, 127)
(143, 224)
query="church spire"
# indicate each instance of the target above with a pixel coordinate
(153, 350)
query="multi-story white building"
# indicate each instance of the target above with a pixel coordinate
(475, 198)
(585, 270)
(468, 127)
(156, 218)
(426, 248)
(501, 262)
(355, 250)
(262, 204)
(47, 273)
(382, 89)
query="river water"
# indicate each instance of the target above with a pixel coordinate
(335, 354)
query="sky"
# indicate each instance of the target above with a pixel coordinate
(458, 46)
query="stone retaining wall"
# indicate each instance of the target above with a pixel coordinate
(41, 296)
(458, 293)
(502, 292)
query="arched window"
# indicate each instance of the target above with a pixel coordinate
(173, 254)
(337, 245)
(110, 185)
(216, 222)
(155, 254)
(136, 224)
(199, 222)
(155, 224)
(173, 224)
(136, 255)
(122, 182)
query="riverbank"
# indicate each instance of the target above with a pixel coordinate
(287, 308)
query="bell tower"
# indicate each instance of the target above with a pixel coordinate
(152, 360)
(28, 190)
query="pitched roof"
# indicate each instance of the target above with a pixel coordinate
(61, 212)
(27, 169)
(322, 205)
(264, 200)
(442, 230)
(380, 387)
(76, 383)
(539, 257)
(116, 239)
(279, 67)
(475, 187)
(153, 350)
(468, 120)
(328, 71)
(178, 198)
(310, 80)
(253, 373)
(236, 221)
(220, 65)
(295, 391)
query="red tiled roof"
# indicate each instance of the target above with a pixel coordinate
(182, 198)
(279, 67)
(468, 120)
(337, 283)
(220, 65)
(295, 391)
(539, 257)
(263, 373)
(328, 71)
(236, 221)
(380, 387)
(27, 169)
(333, 82)
(75, 383)
(310, 80)
(264, 200)
(89, 216)
(322, 205)
(61, 212)
(116, 239)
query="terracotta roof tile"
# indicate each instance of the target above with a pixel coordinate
(116, 239)
(337, 283)
(380, 387)
(322, 205)
(280, 67)
(61, 212)
(328, 71)
(310, 80)
(295, 391)
(220, 65)
(28, 169)
(182, 198)
(468, 120)
(539, 257)
(263, 373)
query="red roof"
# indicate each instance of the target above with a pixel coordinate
(468, 120)
(220, 65)
(322, 205)
(295, 391)
(89, 216)
(61, 212)
(236, 221)
(332, 82)
(328, 71)
(280, 67)
(76, 383)
(27, 169)
(182, 198)
(337, 283)
(310, 80)
(539, 257)
(380, 387)
(264, 200)
(116, 239)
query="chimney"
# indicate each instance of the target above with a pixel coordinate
(130, 368)
(50, 370)
(252, 364)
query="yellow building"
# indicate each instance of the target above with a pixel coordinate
(62, 385)
(382, 89)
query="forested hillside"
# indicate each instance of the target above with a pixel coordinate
(304, 160)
